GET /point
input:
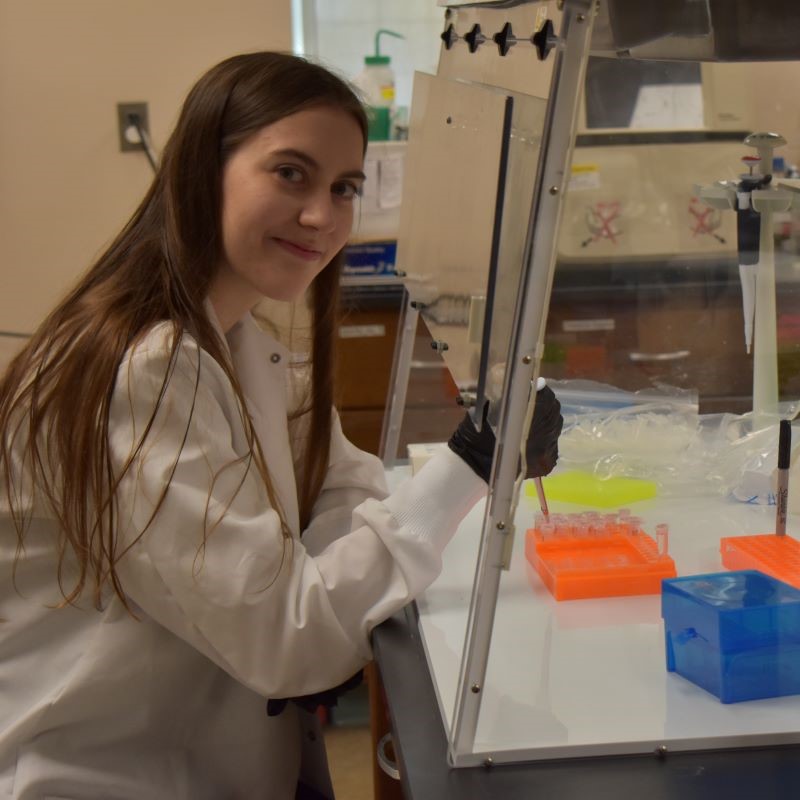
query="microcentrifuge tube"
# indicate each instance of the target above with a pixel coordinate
(662, 538)
(547, 530)
(624, 513)
(636, 524)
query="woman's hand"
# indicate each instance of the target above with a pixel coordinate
(541, 450)
(476, 448)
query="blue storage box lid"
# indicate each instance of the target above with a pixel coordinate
(733, 610)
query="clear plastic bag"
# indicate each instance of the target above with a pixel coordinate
(659, 435)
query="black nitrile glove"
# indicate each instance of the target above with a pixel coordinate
(541, 452)
(475, 447)
(311, 702)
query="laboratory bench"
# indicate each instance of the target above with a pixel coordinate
(577, 692)
(420, 747)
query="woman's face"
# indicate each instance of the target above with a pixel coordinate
(288, 195)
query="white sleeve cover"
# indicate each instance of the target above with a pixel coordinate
(213, 566)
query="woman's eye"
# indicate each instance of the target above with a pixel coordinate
(346, 190)
(291, 174)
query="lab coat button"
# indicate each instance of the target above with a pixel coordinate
(275, 358)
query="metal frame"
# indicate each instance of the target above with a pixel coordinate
(398, 383)
(523, 359)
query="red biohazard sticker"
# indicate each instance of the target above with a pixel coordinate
(603, 221)
(704, 220)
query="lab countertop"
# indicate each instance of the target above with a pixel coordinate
(577, 690)
(420, 746)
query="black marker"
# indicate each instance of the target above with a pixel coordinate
(784, 457)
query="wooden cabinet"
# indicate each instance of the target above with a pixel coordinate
(638, 325)
(368, 334)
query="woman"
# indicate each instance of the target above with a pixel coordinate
(178, 544)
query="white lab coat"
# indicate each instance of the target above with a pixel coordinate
(172, 705)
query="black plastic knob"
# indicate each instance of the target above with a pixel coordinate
(544, 40)
(449, 36)
(505, 39)
(474, 38)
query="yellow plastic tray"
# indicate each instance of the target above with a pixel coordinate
(586, 489)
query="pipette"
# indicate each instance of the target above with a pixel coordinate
(537, 482)
(748, 225)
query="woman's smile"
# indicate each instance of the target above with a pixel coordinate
(296, 249)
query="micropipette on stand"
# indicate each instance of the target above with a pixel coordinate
(747, 235)
(755, 201)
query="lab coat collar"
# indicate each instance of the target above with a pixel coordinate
(249, 325)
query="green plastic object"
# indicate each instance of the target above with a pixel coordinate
(379, 79)
(586, 489)
(378, 58)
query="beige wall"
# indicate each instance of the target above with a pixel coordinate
(65, 187)
(751, 97)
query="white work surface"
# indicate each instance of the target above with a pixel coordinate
(588, 677)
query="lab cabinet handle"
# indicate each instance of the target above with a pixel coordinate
(676, 355)
(384, 762)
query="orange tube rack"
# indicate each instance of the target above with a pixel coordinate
(610, 560)
(778, 556)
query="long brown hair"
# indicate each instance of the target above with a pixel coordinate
(56, 393)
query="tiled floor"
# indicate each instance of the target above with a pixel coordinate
(350, 760)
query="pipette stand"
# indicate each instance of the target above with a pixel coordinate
(766, 202)
(765, 349)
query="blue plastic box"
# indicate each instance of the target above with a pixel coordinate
(735, 634)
